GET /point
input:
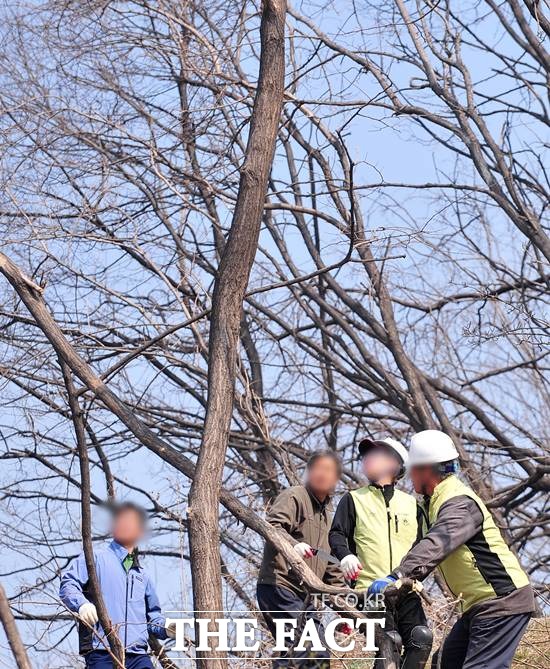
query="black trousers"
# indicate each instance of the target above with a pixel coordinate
(406, 614)
(482, 643)
(100, 659)
(277, 602)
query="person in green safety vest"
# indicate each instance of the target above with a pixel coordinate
(374, 527)
(479, 568)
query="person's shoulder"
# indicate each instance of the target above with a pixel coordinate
(100, 553)
(105, 552)
(296, 491)
(361, 490)
(463, 500)
(406, 495)
(345, 500)
(463, 508)
(295, 494)
(284, 496)
(293, 490)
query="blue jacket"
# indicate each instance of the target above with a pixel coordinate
(130, 599)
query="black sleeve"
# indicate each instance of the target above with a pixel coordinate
(341, 533)
(421, 523)
(458, 520)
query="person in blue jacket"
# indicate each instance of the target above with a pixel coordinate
(128, 593)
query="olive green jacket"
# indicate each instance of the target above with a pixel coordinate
(299, 513)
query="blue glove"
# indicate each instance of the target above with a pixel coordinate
(378, 586)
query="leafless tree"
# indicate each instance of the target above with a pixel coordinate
(230, 285)
(400, 279)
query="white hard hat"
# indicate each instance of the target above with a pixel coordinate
(431, 447)
(393, 444)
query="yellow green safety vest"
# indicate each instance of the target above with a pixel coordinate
(383, 534)
(484, 567)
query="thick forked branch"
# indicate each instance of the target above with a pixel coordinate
(227, 308)
(12, 633)
(117, 649)
(131, 240)
(34, 302)
(280, 539)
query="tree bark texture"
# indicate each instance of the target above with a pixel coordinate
(12, 633)
(227, 308)
(113, 639)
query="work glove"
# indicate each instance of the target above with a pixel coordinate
(88, 614)
(351, 567)
(171, 630)
(381, 584)
(304, 550)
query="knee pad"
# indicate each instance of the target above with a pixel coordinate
(418, 648)
(421, 637)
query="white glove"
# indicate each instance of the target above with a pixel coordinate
(304, 550)
(171, 630)
(88, 613)
(351, 567)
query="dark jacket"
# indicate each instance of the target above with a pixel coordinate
(306, 519)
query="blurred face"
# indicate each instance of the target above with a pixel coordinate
(423, 479)
(128, 528)
(380, 465)
(323, 477)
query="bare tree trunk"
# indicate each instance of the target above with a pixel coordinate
(12, 633)
(227, 308)
(117, 649)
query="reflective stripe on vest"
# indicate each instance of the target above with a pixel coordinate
(383, 535)
(484, 567)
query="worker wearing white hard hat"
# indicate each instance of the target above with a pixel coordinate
(466, 546)
(431, 447)
(372, 530)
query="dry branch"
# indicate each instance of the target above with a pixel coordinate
(12, 633)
